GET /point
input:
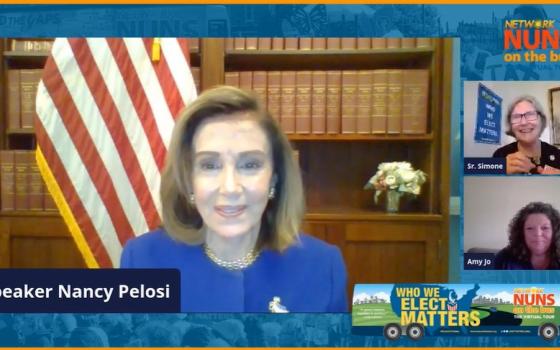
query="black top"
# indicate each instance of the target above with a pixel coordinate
(505, 260)
(550, 155)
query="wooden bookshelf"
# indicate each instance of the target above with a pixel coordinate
(410, 246)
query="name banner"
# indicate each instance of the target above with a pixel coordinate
(484, 166)
(479, 261)
(100, 290)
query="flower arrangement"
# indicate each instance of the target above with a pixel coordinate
(396, 176)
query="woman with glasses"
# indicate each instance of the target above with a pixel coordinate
(528, 154)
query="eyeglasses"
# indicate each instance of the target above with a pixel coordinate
(530, 116)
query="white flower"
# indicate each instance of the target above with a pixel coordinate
(404, 166)
(408, 175)
(399, 176)
(383, 167)
(390, 180)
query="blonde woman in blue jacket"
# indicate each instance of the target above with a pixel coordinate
(232, 204)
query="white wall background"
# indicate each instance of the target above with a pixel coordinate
(490, 202)
(508, 91)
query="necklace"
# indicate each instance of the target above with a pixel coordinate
(536, 160)
(535, 157)
(237, 264)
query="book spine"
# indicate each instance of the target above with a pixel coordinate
(416, 87)
(393, 43)
(287, 102)
(35, 183)
(231, 79)
(303, 102)
(48, 200)
(363, 122)
(31, 45)
(379, 102)
(333, 43)
(305, 44)
(251, 43)
(37, 75)
(349, 101)
(264, 44)
(363, 43)
(21, 170)
(246, 80)
(423, 42)
(319, 102)
(378, 43)
(278, 43)
(334, 96)
(408, 43)
(47, 45)
(29, 82)
(27, 104)
(17, 45)
(273, 94)
(229, 44)
(394, 101)
(14, 100)
(319, 43)
(259, 85)
(239, 43)
(7, 180)
(290, 44)
(348, 43)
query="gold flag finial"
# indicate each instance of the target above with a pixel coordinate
(156, 49)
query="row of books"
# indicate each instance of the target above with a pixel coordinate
(45, 46)
(34, 45)
(382, 101)
(21, 184)
(22, 91)
(325, 43)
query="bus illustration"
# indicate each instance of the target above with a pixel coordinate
(416, 310)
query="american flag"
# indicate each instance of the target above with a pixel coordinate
(106, 110)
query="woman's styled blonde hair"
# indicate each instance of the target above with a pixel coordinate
(282, 216)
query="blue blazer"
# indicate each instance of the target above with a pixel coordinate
(309, 276)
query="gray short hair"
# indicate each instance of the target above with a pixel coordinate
(532, 100)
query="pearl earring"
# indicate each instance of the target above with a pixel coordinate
(191, 198)
(271, 193)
